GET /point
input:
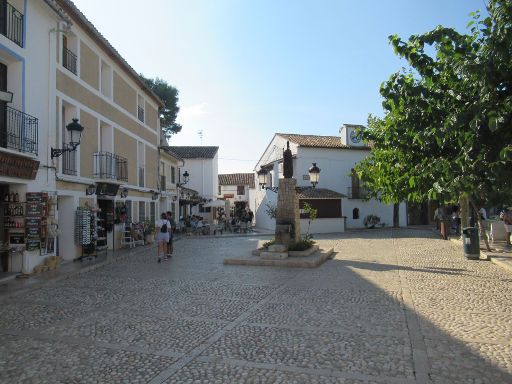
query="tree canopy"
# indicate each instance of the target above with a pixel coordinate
(169, 96)
(447, 125)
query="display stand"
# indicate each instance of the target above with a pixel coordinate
(85, 232)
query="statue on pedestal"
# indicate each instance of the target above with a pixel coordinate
(287, 162)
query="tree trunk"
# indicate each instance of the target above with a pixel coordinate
(479, 222)
(396, 216)
(464, 212)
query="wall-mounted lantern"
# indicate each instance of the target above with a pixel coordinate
(75, 130)
(154, 195)
(90, 190)
(124, 193)
(185, 179)
(314, 175)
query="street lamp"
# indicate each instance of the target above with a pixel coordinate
(314, 175)
(124, 193)
(185, 179)
(75, 130)
(90, 190)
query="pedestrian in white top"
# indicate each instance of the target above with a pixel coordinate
(163, 226)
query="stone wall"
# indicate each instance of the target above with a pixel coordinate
(288, 216)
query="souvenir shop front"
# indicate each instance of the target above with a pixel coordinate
(27, 219)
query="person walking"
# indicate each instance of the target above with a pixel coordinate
(171, 234)
(163, 226)
(483, 217)
(506, 216)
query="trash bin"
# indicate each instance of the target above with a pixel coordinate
(471, 243)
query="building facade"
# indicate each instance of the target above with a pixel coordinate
(62, 73)
(239, 189)
(202, 165)
(336, 156)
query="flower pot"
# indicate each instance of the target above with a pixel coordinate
(149, 239)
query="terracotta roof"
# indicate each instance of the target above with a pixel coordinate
(171, 153)
(195, 152)
(318, 193)
(69, 8)
(237, 179)
(315, 141)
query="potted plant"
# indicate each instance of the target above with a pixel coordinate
(371, 221)
(149, 231)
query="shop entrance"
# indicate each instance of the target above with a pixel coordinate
(105, 223)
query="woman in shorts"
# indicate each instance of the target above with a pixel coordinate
(163, 226)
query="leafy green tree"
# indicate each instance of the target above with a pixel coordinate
(169, 112)
(446, 130)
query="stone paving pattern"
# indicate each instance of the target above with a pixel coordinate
(393, 306)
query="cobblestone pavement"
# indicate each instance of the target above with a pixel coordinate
(394, 306)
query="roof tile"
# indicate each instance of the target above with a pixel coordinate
(198, 152)
(237, 179)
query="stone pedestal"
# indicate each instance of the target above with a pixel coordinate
(288, 216)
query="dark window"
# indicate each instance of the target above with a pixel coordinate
(326, 208)
(173, 175)
(152, 214)
(355, 213)
(240, 190)
(142, 211)
(203, 209)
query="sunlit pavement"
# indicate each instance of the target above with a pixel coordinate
(392, 307)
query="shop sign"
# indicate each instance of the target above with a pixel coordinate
(229, 195)
(17, 166)
(32, 244)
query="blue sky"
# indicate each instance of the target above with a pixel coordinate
(246, 69)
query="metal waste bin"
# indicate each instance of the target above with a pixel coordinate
(471, 243)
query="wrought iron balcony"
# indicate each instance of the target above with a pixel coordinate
(11, 23)
(18, 130)
(68, 161)
(69, 60)
(110, 166)
(357, 193)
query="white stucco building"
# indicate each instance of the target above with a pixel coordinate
(202, 165)
(336, 156)
(239, 189)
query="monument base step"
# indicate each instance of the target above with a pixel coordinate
(312, 261)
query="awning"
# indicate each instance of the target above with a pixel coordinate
(216, 204)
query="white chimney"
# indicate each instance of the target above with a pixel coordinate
(349, 136)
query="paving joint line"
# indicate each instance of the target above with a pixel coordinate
(196, 352)
(418, 346)
(330, 372)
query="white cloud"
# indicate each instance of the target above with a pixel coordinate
(189, 114)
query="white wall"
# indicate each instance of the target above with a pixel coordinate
(262, 220)
(336, 166)
(322, 226)
(203, 176)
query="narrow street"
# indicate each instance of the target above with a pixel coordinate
(393, 306)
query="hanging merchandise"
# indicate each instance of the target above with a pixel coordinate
(85, 231)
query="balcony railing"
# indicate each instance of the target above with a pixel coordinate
(357, 193)
(69, 161)
(141, 176)
(110, 166)
(69, 60)
(11, 23)
(140, 113)
(18, 131)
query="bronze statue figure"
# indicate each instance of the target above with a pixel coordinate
(287, 162)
